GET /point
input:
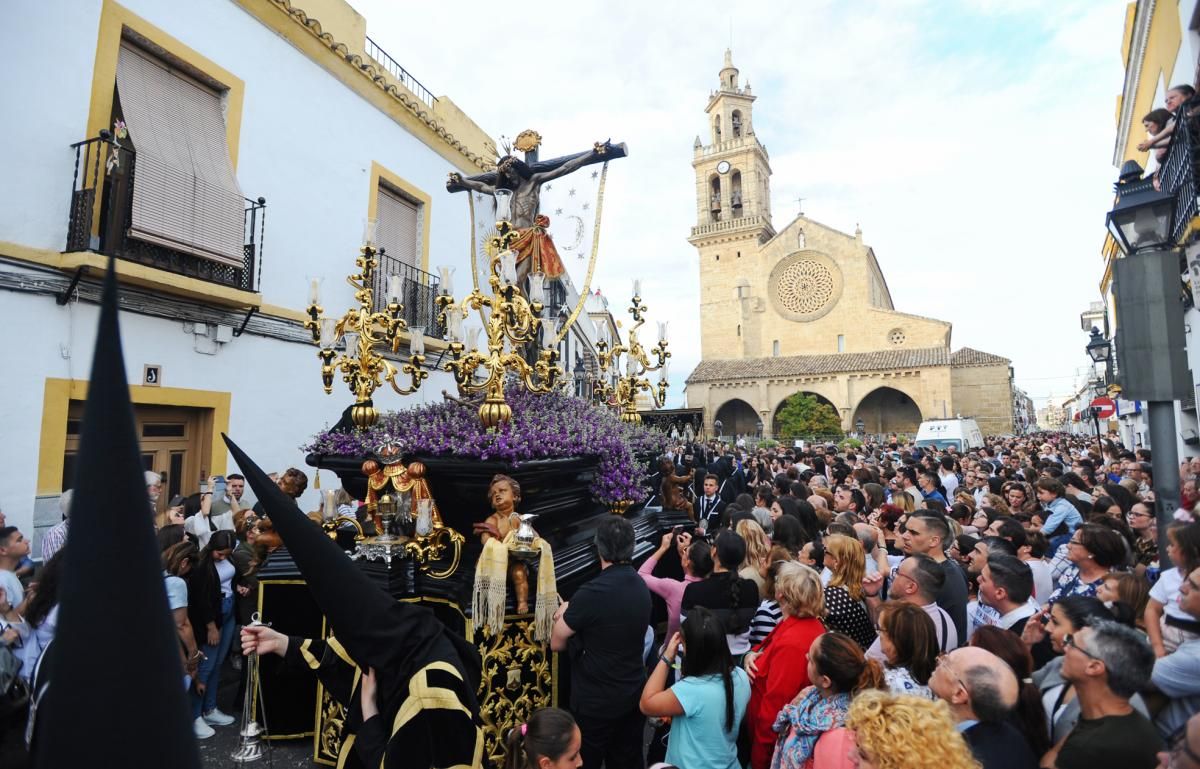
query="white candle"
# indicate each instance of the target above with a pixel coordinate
(662, 330)
(328, 332)
(663, 371)
(601, 332)
(330, 511)
(453, 323)
(473, 338)
(369, 226)
(637, 287)
(416, 340)
(314, 292)
(393, 291)
(351, 342)
(446, 285)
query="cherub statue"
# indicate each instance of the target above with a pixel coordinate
(504, 493)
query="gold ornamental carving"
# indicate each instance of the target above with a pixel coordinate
(329, 729)
(518, 678)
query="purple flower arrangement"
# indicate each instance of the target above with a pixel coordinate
(542, 427)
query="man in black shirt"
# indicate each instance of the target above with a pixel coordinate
(603, 628)
(927, 533)
(1107, 664)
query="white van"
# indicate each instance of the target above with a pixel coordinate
(961, 434)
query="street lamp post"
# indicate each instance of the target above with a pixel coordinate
(859, 427)
(718, 426)
(1141, 223)
(759, 427)
(1099, 350)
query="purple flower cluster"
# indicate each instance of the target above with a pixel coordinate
(542, 427)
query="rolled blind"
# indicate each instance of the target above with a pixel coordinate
(396, 230)
(185, 193)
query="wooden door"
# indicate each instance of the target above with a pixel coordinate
(174, 443)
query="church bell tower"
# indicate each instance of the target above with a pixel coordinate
(733, 212)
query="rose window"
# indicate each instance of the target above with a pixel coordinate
(896, 336)
(805, 287)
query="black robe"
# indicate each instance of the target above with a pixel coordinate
(424, 719)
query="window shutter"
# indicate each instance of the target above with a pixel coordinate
(397, 230)
(185, 194)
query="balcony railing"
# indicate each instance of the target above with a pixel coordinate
(418, 290)
(1179, 170)
(400, 73)
(105, 170)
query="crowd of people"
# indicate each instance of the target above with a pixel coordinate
(889, 606)
(212, 546)
(880, 606)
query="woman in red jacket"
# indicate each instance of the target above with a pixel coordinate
(778, 667)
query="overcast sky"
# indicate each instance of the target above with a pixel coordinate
(971, 141)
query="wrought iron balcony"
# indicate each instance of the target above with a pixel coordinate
(1179, 170)
(418, 291)
(101, 212)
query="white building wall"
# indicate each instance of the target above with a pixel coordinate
(307, 143)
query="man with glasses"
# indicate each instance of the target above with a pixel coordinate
(981, 690)
(1177, 675)
(1107, 664)
(1145, 548)
(916, 580)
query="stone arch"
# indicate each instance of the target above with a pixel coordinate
(887, 410)
(820, 398)
(737, 417)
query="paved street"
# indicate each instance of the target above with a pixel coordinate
(216, 750)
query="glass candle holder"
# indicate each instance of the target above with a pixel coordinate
(508, 266)
(424, 517)
(446, 283)
(503, 204)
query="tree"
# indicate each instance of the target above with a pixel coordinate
(803, 415)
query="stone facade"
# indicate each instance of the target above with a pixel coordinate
(981, 386)
(807, 308)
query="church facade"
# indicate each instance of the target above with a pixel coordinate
(807, 308)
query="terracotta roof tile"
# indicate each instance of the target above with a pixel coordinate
(969, 356)
(801, 365)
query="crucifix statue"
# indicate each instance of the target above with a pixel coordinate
(534, 247)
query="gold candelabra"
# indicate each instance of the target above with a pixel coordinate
(621, 392)
(365, 331)
(512, 325)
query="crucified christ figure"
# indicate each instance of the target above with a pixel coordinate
(534, 247)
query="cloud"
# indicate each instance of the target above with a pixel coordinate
(971, 141)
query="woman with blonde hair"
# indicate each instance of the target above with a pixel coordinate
(997, 503)
(845, 600)
(901, 732)
(778, 666)
(758, 548)
(904, 502)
